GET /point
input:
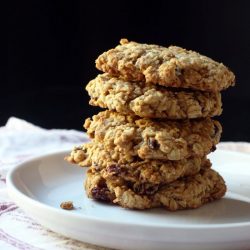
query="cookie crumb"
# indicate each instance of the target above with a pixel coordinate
(67, 205)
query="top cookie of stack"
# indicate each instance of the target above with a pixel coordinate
(152, 81)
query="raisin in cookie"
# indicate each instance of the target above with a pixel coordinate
(150, 100)
(151, 139)
(185, 193)
(171, 67)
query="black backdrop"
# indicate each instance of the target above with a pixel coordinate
(52, 46)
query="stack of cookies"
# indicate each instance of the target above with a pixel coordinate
(149, 149)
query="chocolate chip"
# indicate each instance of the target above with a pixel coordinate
(152, 143)
(213, 148)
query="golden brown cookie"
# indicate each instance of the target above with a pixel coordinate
(150, 139)
(185, 193)
(139, 171)
(150, 100)
(171, 67)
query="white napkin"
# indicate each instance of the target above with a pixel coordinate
(20, 140)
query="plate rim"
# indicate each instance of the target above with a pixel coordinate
(12, 189)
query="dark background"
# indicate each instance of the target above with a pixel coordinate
(52, 47)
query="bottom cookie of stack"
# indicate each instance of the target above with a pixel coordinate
(186, 192)
(144, 184)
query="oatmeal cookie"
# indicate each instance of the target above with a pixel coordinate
(139, 171)
(171, 67)
(150, 139)
(150, 100)
(185, 193)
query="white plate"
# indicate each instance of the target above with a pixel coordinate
(40, 185)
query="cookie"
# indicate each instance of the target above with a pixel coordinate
(151, 139)
(139, 171)
(185, 193)
(171, 67)
(150, 100)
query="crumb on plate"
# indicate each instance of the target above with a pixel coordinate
(67, 205)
